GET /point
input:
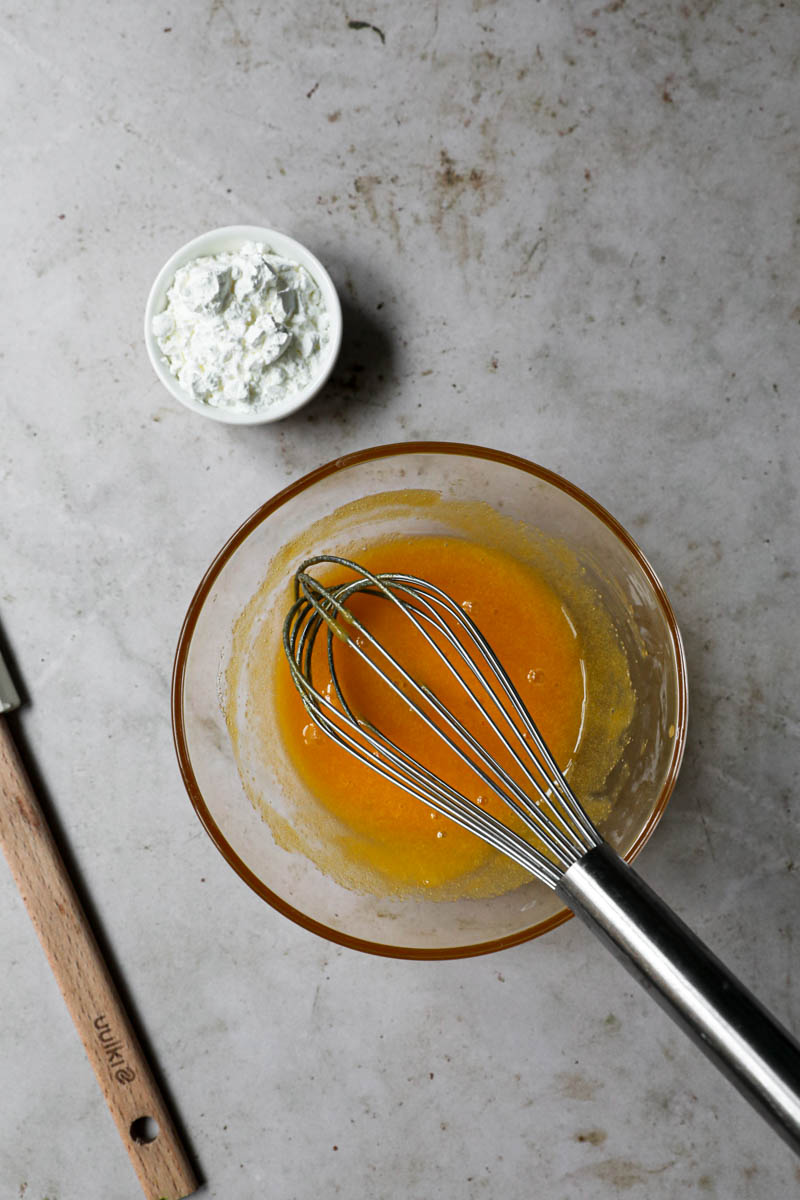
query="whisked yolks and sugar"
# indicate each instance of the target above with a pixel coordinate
(550, 632)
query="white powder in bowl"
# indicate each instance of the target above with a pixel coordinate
(243, 329)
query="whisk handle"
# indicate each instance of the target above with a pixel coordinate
(727, 1022)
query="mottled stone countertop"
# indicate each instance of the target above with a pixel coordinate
(568, 230)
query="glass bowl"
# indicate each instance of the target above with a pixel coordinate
(309, 517)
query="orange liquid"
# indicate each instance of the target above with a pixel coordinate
(523, 619)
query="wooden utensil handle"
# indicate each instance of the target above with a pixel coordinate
(122, 1071)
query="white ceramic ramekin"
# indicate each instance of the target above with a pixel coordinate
(230, 238)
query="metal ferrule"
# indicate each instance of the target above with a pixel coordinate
(730, 1026)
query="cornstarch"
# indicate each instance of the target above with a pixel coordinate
(243, 329)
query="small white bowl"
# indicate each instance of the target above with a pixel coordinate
(216, 241)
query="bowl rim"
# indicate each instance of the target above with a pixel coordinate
(287, 247)
(231, 546)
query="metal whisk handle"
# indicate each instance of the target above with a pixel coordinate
(730, 1026)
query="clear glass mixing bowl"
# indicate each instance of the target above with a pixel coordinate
(612, 565)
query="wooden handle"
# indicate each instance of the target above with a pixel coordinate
(122, 1071)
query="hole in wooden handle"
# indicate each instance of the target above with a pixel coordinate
(144, 1130)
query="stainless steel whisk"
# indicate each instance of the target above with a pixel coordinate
(726, 1021)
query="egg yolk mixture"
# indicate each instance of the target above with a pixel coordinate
(395, 835)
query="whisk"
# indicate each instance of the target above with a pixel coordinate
(566, 852)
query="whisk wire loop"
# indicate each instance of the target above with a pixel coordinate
(396, 766)
(502, 783)
(554, 816)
